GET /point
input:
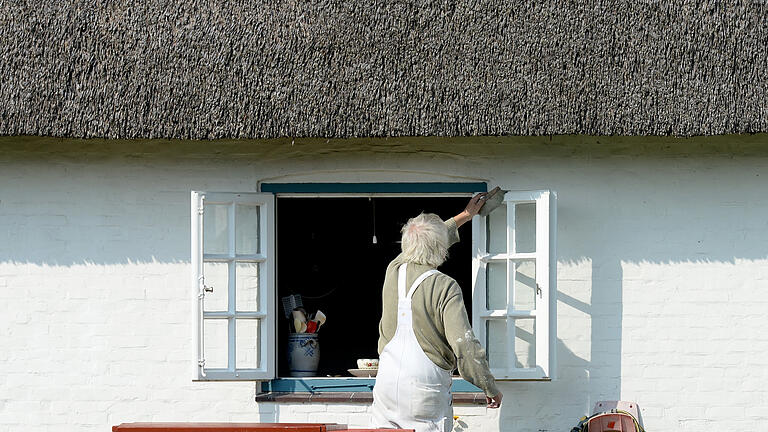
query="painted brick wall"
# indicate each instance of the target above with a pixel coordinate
(662, 271)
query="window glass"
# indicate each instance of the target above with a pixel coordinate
(247, 229)
(525, 343)
(496, 341)
(216, 277)
(496, 224)
(215, 234)
(247, 286)
(525, 227)
(247, 346)
(525, 285)
(215, 331)
(496, 278)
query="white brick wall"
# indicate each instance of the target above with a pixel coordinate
(662, 278)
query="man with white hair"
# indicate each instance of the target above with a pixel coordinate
(424, 333)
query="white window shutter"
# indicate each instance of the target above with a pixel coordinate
(234, 285)
(514, 273)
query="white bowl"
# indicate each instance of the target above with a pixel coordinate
(367, 363)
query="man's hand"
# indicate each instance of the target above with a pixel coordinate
(473, 207)
(495, 401)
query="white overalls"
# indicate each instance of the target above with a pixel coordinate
(411, 391)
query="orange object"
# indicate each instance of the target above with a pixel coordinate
(228, 427)
(242, 427)
(312, 327)
(611, 422)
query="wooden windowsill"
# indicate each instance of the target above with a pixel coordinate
(352, 397)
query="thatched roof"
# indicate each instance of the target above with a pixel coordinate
(257, 69)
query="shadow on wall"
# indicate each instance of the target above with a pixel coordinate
(586, 374)
(98, 227)
(639, 252)
(598, 376)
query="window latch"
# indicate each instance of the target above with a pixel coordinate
(206, 288)
(538, 290)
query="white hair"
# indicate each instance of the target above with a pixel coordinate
(425, 240)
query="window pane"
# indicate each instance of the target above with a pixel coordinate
(525, 343)
(496, 279)
(215, 236)
(525, 227)
(216, 276)
(525, 285)
(246, 346)
(247, 286)
(496, 224)
(496, 343)
(215, 333)
(247, 229)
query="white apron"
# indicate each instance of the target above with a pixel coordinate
(411, 391)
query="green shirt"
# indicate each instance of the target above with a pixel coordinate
(439, 320)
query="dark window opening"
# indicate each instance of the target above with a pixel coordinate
(326, 253)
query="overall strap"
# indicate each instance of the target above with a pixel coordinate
(401, 281)
(419, 280)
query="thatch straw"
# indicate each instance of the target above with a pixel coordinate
(257, 69)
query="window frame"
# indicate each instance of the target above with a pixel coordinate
(266, 306)
(269, 192)
(545, 259)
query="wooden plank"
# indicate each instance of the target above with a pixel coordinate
(379, 430)
(242, 427)
(228, 427)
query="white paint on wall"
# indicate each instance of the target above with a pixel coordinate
(662, 273)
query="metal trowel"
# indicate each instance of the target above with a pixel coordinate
(492, 199)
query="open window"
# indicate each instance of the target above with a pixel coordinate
(333, 252)
(514, 273)
(251, 249)
(233, 276)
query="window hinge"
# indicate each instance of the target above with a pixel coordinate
(200, 207)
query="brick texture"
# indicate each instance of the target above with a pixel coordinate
(661, 266)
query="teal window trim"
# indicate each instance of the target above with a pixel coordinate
(373, 188)
(357, 385)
